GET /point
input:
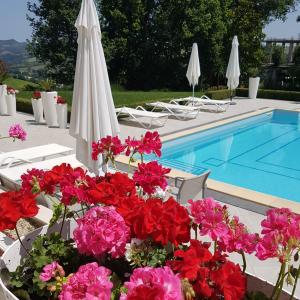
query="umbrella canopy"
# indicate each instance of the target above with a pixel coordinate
(193, 72)
(93, 112)
(233, 69)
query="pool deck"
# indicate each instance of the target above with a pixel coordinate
(40, 134)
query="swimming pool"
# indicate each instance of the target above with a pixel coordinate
(261, 153)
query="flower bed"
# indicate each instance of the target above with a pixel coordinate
(127, 243)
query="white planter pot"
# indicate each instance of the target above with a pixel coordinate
(38, 111)
(3, 105)
(49, 104)
(11, 104)
(13, 256)
(62, 115)
(253, 87)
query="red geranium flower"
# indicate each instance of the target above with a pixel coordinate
(36, 95)
(109, 146)
(162, 221)
(211, 275)
(230, 281)
(14, 206)
(151, 175)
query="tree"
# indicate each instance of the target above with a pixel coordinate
(150, 41)
(3, 71)
(277, 55)
(248, 18)
(54, 37)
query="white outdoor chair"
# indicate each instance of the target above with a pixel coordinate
(155, 118)
(207, 103)
(28, 155)
(189, 188)
(181, 112)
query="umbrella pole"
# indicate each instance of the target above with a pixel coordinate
(193, 94)
(230, 94)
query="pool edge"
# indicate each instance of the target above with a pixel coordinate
(252, 196)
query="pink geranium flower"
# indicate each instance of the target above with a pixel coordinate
(153, 283)
(51, 271)
(102, 230)
(108, 146)
(150, 143)
(90, 282)
(151, 175)
(17, 132)
(210, 216)
(280, 234)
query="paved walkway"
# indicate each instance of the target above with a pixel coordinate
(41, 134)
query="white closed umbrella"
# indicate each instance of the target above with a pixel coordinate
(193, 72)
(233, 69)
(93, 112)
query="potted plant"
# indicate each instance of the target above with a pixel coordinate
(3, 105)
(253, 82)
(11, 101)
(49, 102)
(62, 112)
(37, 106)
(126, 242)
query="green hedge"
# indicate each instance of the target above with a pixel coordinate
(272, 94)
(131, 98)
(218, 95)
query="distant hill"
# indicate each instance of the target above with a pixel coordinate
(13, 52)
(21, 65)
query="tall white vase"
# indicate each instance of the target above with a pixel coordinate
(253, 87)
(3, 105)
(62, 115)
(49, 104)
(38, 111)
(11, 104)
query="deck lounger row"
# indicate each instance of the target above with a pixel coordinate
(139, 114)
(181, 112)
(207, 103)
(28, 155)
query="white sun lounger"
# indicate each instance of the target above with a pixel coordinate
(10, 177)
(206, 102)
(138, 113)
(8, 159)
(181, 112)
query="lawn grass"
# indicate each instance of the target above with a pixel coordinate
(123, 98)
(18, 83)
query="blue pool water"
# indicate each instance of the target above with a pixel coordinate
(261, 153)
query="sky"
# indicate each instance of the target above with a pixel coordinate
(13, 23)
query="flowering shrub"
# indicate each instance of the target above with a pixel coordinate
(130, 244)
(36, 95)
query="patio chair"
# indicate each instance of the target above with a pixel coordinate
(181, 112)
(28, 155)
(189, 188)
(207, 103)
(155, 118)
